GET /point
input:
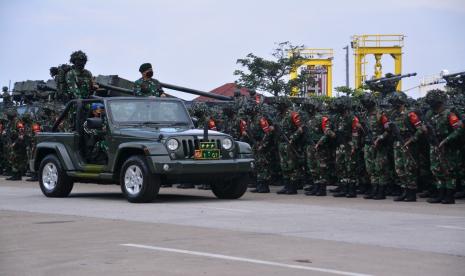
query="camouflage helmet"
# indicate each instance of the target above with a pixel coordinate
(199, 109)
(11, 113)
(282, 102)
(310, 105)
(252, 92)
(26, 117)
(389, 75)
(78, 55)
(5, 89)
(228, 109)
(399, 98)
(368, 100)
(435, 97)
(53, 71)
(341, 104)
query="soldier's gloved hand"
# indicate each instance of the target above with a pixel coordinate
(443, 143)
(406, 145)
(376, 142)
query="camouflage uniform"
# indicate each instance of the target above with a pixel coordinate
(289, 132)
(17, 149)
(345, 167)
(79, 80)
(262, 133)
(376, 148)
(147, 87)
(444, 128)
(406, 128)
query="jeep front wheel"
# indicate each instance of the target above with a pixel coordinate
(53, 180)
(231, 189)
(137, 183)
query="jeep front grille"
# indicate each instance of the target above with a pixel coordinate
(190, 145)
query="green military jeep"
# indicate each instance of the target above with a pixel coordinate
(149, 142)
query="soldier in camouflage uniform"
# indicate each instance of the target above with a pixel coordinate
(146, 85)
(376, 147)
(3, 141)
(309, 116)
(406, 129)
(17, 149)
(444, 130)
(261, 133)
(344, 120)
(289, 130)
(79, 81)
(7, 101)
(323, 153)
(96, 151)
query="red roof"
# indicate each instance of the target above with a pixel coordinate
(225, 90)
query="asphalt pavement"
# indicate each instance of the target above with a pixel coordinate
(96, 231)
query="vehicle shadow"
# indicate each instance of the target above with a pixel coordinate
(161, 198)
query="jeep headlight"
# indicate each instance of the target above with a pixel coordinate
(172, 144)
(227, 143)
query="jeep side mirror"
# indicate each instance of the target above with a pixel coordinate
(195, 120)
(94, 123)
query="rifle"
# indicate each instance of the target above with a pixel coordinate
(286, 139)
(396, 131)
(386, 84)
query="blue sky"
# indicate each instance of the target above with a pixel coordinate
(197, 43)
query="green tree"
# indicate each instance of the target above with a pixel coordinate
(273, 75)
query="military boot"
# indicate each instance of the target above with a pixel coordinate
(449, 197)
(342, 190)
(411, 195)
(314, 190)
(439, 197)
(372, 192)
(284, 188)
(33, 178)
(262, 188)
(381, 194)
(402, 196)
(351, 190)
(321, 190)
(460, 190)
(15, 177)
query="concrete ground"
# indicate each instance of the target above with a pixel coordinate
(96, 231)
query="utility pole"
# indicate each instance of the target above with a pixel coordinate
(347, 64)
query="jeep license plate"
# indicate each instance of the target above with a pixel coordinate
(207, 151)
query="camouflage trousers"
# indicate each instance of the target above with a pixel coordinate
(18, 160)
(444, 166)
(405, 166)
(319, 163)
(288, 162)
(262, 165)
(345, 167)
(377, 165)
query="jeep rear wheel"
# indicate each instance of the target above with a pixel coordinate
(138, 184)
(53, 180)
(231, 189)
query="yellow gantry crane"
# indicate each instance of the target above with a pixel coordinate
(319, 61)
(377, 45)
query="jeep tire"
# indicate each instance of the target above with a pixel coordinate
(53, 180)
(138, 184)
(231, 189)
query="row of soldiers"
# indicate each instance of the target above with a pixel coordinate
(373, 144)
(18, 129)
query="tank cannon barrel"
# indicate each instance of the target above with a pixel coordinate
(195, 92)
(168, 86)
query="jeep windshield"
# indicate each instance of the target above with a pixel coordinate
(149, 112)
